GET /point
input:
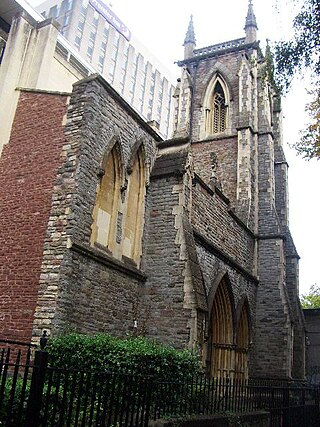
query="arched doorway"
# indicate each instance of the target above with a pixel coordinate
(242, 344)
(222, 348)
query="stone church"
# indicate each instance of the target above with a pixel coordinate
(106, 227)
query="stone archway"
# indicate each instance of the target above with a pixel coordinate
(242, 343)
(222, 333)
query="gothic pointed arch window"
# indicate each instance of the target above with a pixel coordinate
(216, 107)
(133, 222)
(107, 201)
(219, 109)
(222, 355)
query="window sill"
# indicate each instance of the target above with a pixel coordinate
(103, 256)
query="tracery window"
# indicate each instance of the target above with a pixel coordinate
(219, 109)
(216, 107)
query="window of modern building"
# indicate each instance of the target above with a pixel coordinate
(143, 85)
(124, 64)
(95, 19)
(53, 12)
(77, 40)
(167, 114)
(66, 20)
(81, 23)
(133, 77)
(159, 102)
(151, 96)
(92, 36)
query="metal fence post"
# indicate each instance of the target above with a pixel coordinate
(36, 387)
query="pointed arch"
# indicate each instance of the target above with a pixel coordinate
(243, 334)
(106, 207)
(222, 331)
(139, 144)
(216, 106)
(133, 223)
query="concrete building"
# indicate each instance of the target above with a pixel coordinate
(106, 227)
(34, 56)
(103, 40)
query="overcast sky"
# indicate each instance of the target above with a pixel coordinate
(161, 27)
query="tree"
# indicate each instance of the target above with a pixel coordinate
(291, 57)
(312, 299)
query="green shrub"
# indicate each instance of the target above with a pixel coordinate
(20, 397)
(139, 356)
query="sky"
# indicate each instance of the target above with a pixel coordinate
(161, 27)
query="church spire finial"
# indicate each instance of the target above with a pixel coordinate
(251, 25)
(190, 40)
(190, 36)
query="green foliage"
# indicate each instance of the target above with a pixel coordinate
(139, 356)
(304, 49)
(292, 56)
(312, 299)
(19, 402)
(309, 144)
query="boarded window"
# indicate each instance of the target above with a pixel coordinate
(135, 210)
(107, 202)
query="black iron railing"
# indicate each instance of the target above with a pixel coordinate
(35, 394)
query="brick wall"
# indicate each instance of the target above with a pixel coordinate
(27, 173)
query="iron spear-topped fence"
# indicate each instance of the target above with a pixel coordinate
(33, 393)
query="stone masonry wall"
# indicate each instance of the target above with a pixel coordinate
(28, 168)
(167, 317)
(82, 286)
(217, 159)
(211, 217)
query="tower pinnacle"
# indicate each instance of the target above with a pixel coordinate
(190, 40)
(251, 25)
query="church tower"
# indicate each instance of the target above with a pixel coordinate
(230, 114)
